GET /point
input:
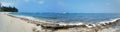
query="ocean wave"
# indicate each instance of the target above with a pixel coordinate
(93, 25)
(102, 22)
(64, 24)
(70, 24)
(112, 20)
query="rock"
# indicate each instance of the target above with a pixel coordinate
(83, 26)
(90, 24)
(118, 20)
(34, 29)
(102, 24)
(37, 24)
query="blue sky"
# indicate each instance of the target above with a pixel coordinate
(61, 6)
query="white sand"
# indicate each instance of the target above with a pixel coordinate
(10, 24)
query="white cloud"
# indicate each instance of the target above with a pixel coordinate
(41, 1)
(7, 4)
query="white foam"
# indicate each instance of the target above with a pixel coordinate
(112, 20)
(89, 26)
(64, 24)
(79, 24)
(93, 25)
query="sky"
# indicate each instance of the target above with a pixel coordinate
(65, 6)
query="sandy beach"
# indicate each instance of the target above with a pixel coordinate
(10, 24)
(13, 24)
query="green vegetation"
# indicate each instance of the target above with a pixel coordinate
(8, 9)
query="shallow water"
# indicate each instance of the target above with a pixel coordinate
(72, 17)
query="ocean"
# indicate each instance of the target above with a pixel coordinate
(86, 18)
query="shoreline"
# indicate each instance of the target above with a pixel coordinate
(40, 26)
(37, 21)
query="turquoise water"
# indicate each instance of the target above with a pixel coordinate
(73, 17)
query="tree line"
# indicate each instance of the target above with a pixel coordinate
(8, 9)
